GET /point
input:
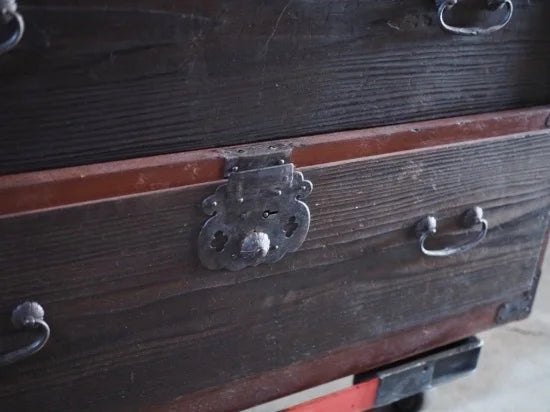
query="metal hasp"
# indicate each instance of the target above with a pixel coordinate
(259, 215)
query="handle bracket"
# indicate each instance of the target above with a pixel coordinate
(10, 15)
(428, 226)
(28, 315)
(446, 5)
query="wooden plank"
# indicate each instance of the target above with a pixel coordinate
(137, 321)
(25, 192)
(240, 394)
(167, 76)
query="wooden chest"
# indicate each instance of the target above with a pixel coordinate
(219, 203)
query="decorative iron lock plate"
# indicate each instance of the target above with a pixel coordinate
(259, 215)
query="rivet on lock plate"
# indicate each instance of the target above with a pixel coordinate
(259, 215)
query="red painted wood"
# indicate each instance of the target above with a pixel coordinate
(59, 187)
(356, 398)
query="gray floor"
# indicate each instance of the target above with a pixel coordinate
(513, 373)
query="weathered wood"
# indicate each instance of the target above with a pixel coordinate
(137, 321)
(257, 389)
(98, 81)
(25, 192)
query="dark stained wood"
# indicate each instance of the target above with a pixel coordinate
(240, 394)
(45, 189)
(137, 321)
(96, 81)
(315, 150)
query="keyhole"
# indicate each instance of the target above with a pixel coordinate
(268, 213)
(290, 226)
(219, 240)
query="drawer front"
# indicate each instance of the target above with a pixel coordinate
(136, 320)
(95, 82)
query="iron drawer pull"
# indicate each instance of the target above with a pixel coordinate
(474, 31)
(28, 315)
(9, 14)
(428, 226)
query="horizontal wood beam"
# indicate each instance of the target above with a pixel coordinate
(53, 188)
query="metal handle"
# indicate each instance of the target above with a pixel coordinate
(9, 14)
(428, 226)
(474, 31)
(28, 315)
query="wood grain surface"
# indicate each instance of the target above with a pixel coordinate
(95, 81)
(24, 192)
(379, 353)
(137, 321)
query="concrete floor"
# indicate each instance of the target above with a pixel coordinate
(513, 373)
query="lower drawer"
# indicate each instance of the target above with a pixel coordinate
(137, 321)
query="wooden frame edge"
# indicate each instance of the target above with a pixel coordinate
(360, 357)
(31, 191)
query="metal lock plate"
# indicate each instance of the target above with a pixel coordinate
(259, 215)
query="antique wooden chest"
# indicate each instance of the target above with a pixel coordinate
(218, 203)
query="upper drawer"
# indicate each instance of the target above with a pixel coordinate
(96, 81)
(137, 320)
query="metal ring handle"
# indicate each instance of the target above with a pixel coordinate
(8, 10)
(428, 226)
(28, 315)
(473, 31)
